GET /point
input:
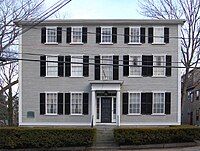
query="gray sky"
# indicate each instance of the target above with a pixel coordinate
(99, 9)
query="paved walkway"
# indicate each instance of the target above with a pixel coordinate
(197, 148)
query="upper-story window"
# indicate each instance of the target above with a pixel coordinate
(51, 34)
(51, 103)
(159, 35)
(158, 103)
(134, 35)
(77, 66)
(106, 34)
(135, 62)
(159, 69)
(52, 66)
(76, 34)
(106, 68)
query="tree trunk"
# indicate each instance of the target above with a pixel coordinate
(10, 107)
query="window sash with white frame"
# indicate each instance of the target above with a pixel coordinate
(51, 103)
(76, 34)
(159, 61)
(52, 67)
(134, 35)
(106, 68)
(51, 35)
(106, 34)
(135, 61)
(76, 103)
(158, 103)
(134, 103)
(158, 35)
(77, 66)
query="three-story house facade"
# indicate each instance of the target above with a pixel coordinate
(94, 72)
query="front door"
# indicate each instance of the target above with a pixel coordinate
(106, 105)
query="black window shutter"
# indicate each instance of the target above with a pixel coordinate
(147, 66)
(59, 34)
(167, 102)
(69, 30)
(85, 66)
(67, 103)
(67, 66)
(43, 35)
(115, 67)
(98, 34)
(114, 35)
(42, 103)
(125, 103)
(126, 35)
(126, 65)
(150, 35)
(166, 35)
(168, 71)
(146, 103)
(97, 68)
(60, 103)
(84, 34)
(60, 66)
(85, 103)
(42, 66)
(142, 35)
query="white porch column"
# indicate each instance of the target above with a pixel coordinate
(93, 117)
(118, 108)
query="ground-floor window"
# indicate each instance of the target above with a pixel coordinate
(51, 103)
(134, 103)
(76, 103)
(158, 103)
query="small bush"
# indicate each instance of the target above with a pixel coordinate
(21, 137)
(143, 136)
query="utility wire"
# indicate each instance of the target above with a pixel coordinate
(91, 63)
(78, 57)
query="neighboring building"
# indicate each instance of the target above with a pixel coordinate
(108, 75)
(3, 110)
(191, 105)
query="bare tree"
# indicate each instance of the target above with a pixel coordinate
(8, 74)
(190, 43)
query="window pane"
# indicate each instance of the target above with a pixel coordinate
(158, 61)
(51, 101)
(77, 69)
(76, 103)
(106, 34)
(134, 103)
(134, 62)
(76, 34)
(158, 103)
(106, 68)
(52, 67)
(158, 35)
(135, 35)
(51, 35)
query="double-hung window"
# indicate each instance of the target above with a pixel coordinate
(134, 103)
(135, 62)
(158, 103)
(134, 35)
(158, 35)
(52, 66)
(51, 35)
(106, 34)
(158, 69)
(106, 68)
(51, 103)
(76, 35)
(77, 66)
(76, 103)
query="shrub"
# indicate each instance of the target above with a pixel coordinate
(21, 137)
(142, 136)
